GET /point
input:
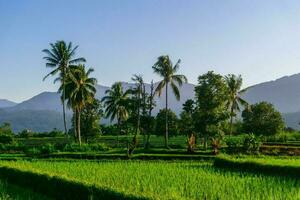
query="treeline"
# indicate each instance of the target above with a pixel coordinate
(211, 114)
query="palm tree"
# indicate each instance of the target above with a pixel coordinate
(234, 84)
(165, 69)
(116, 103)
(139, 90)
(79, 90)
(59, 57)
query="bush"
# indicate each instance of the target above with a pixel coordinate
(47, 149)
(251, 144)
(32, 151)
(74, 147)
(6, 139)
(234, 144)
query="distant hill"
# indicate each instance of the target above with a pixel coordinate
(36, 120)
(284, 93)
(6, 103)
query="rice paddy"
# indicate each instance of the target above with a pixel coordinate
(167, 180)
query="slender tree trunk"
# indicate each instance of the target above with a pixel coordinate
(231, 120)
(150, 114)
(138, 116)
(63, 101)
(78, 127)
(75, 124)
(167, 128)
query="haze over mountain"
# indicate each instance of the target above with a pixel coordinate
(44, 110)
(4, 103)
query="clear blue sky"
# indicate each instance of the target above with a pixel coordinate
(255, 38)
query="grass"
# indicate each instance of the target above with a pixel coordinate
(11, 192)
(269, 160)
(167, 180)
(274, 166)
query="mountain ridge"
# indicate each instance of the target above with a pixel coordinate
(283, 93)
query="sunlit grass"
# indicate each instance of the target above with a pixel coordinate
(168, 180)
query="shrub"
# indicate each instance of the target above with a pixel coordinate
(251, 144)
(234, 144)
(47, 149)
(6, 139)
(32, 151)
(74, 147)
(216, 145)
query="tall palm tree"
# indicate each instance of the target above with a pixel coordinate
(116, 103)
(234, 84)
(139, 90)
(59, 57)
(80, 90)
(165, 69)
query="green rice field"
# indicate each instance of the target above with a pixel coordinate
(11, 192)
(167, 180)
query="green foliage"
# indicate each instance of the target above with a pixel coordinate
(251, 144)
(262, 119)
(6, 139)
(172, 123)
(9, 192)
(287, 167)
(234, 144)
(90, 120)
(85, 147)
(6, 134)
(283, 137)
(211, 111)
(176, 180)
(47, 149)
(60, 187)
(5, 129)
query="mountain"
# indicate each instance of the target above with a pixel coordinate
(283, 93)
(36, 120)
(4, 103)
(43, 111)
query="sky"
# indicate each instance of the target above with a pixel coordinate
(258, 39)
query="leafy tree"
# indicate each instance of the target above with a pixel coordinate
(172, 122)
(234, 84)
(6, 134)
(90, 119)
(186, 122)
(165, 69)
(80, 90)
(59, 57)
(189, 106)
(138, 92)
(6, 129)
(262, 119)
(116, 104)
(211, 96)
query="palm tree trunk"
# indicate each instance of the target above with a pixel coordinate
(78, 127)
(75, 123)
(138, 115)
(167, 128)
(63, 101)
(231, 120)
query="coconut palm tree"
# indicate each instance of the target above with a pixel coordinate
(116, 103)
(138, 90)
(59, 57)
(165, 69)
(234, 84)
(79, 90)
